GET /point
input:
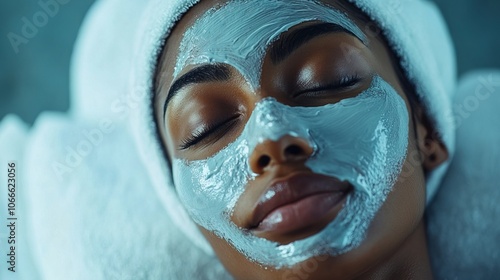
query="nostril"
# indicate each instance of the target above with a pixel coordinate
(293, 150)
(264, 161)
(286, 150)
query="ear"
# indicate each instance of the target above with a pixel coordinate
(432, 150)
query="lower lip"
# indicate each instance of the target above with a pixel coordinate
(304, 213)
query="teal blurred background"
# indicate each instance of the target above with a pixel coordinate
(35, 77)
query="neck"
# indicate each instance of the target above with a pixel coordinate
(411, 261)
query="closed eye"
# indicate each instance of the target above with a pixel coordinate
(342, 84)
(208, 134)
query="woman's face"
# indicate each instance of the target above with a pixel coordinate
(291, 139)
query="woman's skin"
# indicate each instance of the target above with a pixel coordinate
(395, 245)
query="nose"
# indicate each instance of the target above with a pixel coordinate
(287, 149)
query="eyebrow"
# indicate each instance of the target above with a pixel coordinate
(202, 74)
(290, 42)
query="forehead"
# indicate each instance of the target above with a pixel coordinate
(239, 32)
(216, 10)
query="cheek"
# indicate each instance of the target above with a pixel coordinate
(405, 205)
(209, 188)
(412, 171)
(411, 184)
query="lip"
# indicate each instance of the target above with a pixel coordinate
(298, 201)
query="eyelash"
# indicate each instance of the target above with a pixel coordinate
(344, 82)
(348, 81)
(208, 131)
(203, 134)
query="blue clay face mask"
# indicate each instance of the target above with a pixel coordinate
(371, 163)
(217, 36)
(362, 140)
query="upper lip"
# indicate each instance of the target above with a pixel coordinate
(291, 189)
